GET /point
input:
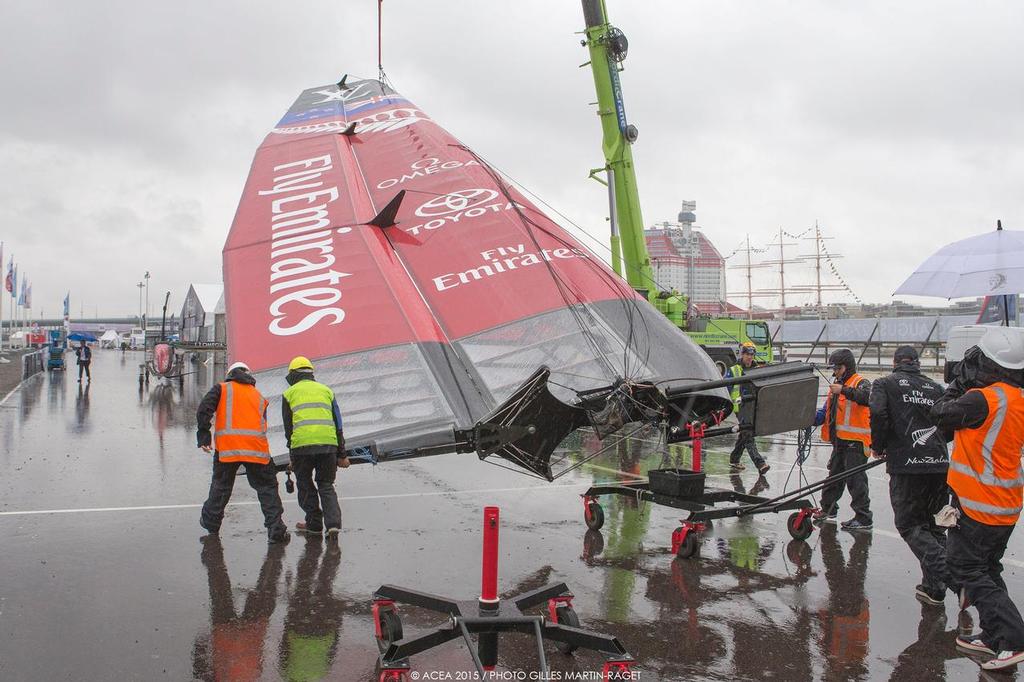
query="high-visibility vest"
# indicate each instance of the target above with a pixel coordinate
(853, 421)
(985, 468)
(312, 406)
(737, 400)
(241, 427)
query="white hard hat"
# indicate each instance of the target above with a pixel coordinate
(1004, 346)
(238, 365)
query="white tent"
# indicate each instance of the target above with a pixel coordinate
(110, 339)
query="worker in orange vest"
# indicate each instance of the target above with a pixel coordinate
(984, 407)
(239, 438)
(845, 422)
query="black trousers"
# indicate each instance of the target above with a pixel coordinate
(846, 455)
(84, 367)
(916, 498)
(974, 553)
(262, 478)
(745, 441)
(321, 468)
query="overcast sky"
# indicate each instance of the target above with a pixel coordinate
(127, 128)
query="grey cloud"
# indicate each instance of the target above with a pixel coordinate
(128, 128)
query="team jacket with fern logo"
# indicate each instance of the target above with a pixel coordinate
(901, 426)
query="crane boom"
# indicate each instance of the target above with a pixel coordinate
(630, 258)
(608, 46)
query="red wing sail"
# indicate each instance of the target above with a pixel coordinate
(430, 316)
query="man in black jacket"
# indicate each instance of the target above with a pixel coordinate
(917, 460)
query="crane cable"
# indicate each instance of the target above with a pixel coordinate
(382, 77)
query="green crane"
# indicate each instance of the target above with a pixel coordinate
(630, 258)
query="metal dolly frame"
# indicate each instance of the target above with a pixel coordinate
(488, 617)
(686, 538)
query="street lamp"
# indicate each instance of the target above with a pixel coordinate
(140, 285)
(147, 299)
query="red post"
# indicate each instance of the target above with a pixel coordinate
(697, 435)
(489, 580)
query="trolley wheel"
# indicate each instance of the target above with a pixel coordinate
(567, 616)
(390, 627)
(803, 531)
(690, 546)
(596, 518)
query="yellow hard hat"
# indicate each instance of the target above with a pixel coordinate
(300, 362)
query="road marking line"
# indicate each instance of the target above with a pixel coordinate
(247, 503)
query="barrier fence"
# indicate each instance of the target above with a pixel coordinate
(33, 363)
(872, 340)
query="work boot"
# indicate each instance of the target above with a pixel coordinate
(819, 517)
(929, 597)
(208, 529)
(301, 527)
(736, 466)
(1005, 659)
(854, 524)
(974, 645)
(763, 468)
(278, 534)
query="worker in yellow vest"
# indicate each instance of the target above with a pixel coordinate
(745, 438)
(239, 413)
(313, 428)
(984, 407)
(845, 422)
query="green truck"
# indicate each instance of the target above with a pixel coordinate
(719, 337)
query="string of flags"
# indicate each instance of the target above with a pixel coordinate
(835, 271)
(828, 259)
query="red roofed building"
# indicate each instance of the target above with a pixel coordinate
(684, 259)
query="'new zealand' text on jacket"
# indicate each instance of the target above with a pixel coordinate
(901, 426)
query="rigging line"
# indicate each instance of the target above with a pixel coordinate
(448, 341)
(563, 288)
(583, 461)
(626, 294)
(380, 42)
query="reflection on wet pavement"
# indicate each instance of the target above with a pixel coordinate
(129, 591)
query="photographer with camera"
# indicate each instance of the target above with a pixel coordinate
(984, 408)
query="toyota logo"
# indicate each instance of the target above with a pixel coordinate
(454, 202)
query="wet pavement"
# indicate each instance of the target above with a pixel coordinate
(103, 575)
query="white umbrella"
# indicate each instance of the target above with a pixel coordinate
(990, 264)
(987, 265)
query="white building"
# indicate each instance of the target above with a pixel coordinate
(684, 259)
(202, 315)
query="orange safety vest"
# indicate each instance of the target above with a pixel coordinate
(853, 421)
(241, 427)
(985, 468)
